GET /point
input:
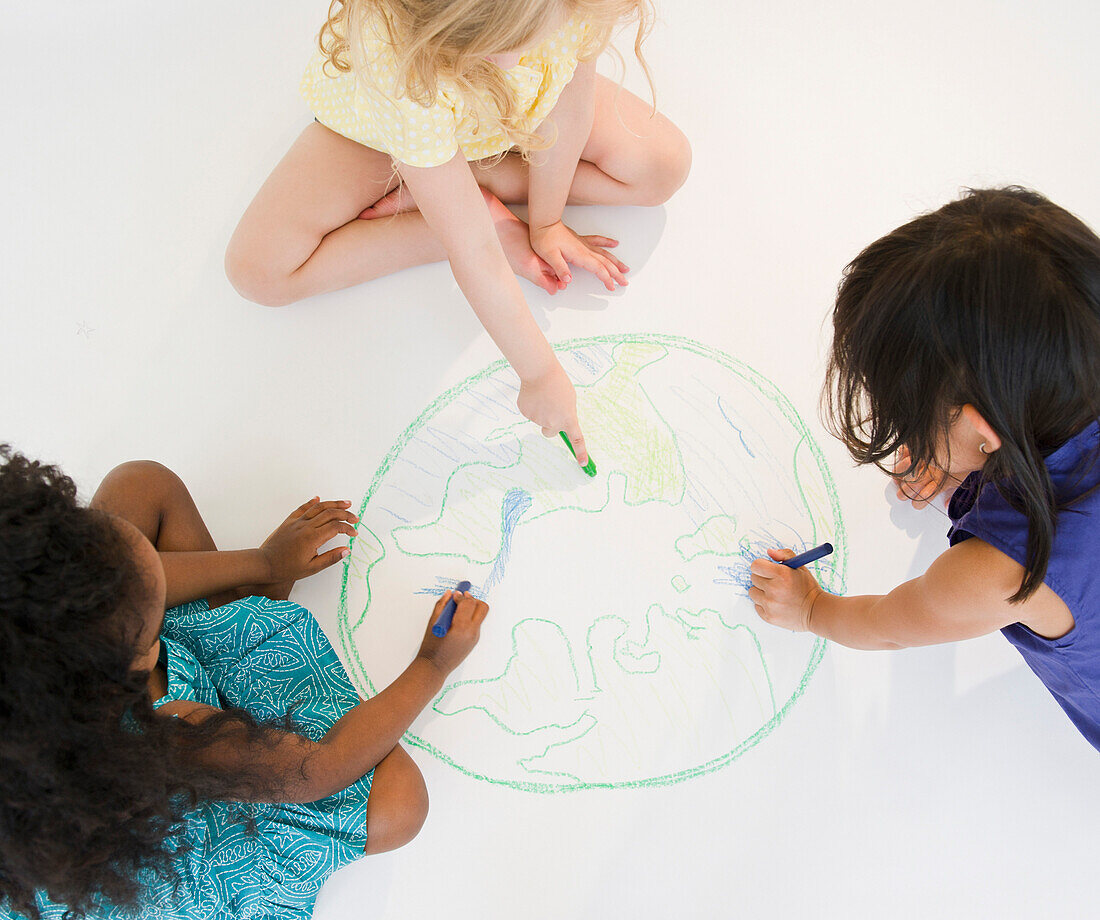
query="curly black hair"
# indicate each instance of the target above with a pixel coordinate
(95, 787)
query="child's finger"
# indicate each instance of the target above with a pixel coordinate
(560, 266)
(757, 580)
(440, 603)
(322, 562)
(481, 611)
(613, 266)
(573, 432)
(608, 262)
(781, 555)
(332, 530)
(304, 507)
(620, 265)
(321, 518)
(596, 240)
(765, 568)
(318, 507)
(464, 609)
(598, 267)
(548, 281)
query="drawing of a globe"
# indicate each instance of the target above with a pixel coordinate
(621, 649)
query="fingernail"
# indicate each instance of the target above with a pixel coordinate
(345, 553)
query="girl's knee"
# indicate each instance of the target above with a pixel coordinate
(139, 491)
(668, 166)
(144, 475)
(253, 278)
(398, 804)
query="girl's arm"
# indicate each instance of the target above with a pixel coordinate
(963, 594)
(568, 125)
(305, 771)
(288, 554)
(451, 202)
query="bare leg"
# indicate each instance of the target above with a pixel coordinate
(301, 236)
(155, 500)
(398, 803)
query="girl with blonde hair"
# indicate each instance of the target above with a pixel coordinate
(434, 114)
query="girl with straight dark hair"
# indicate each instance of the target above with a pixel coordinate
(966, 359)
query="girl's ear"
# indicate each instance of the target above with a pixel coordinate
(983, 432)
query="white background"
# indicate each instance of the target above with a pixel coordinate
(936, 782)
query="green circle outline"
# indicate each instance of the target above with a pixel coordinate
(740, 369)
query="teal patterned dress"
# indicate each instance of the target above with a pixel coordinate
(267, 657)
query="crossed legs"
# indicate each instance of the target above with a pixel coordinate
(302, 235)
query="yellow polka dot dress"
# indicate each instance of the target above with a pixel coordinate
(374, 111)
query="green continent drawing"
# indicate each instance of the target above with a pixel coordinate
(621, 650)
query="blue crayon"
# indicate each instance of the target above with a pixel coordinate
(443, 623)
(811, 555)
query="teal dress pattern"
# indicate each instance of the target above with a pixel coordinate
(271, 658)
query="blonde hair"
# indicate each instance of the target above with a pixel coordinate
(438, 41)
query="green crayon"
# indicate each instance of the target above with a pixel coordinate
(590, 466)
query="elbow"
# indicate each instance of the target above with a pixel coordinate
(326, 769)
(310, 774)
(308, 790)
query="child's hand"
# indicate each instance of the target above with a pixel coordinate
(920, 485)
(783, 596)
(559, 246)
(551, 403)
(450, 651)
(291, 550)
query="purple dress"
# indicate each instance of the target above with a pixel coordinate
(1069, 666)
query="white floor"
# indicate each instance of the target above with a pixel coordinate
(938, 782)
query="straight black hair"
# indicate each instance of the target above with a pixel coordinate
(993, 300)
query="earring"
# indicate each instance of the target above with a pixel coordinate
(981, 447)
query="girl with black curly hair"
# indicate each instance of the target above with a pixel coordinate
(211, 760)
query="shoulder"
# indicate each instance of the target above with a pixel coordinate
(565, 44)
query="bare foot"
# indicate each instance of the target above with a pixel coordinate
(516, 240)
(395, 202)
(513, 233)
